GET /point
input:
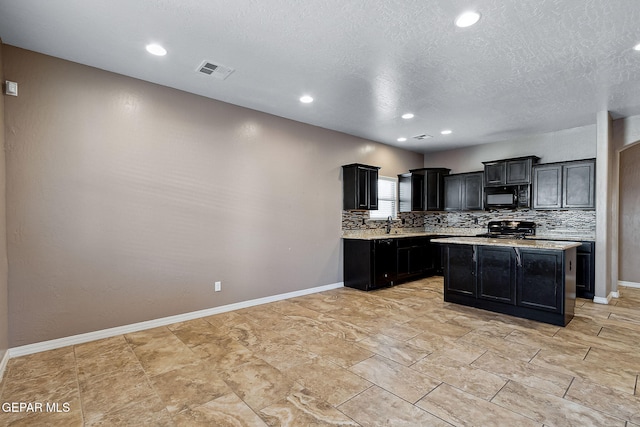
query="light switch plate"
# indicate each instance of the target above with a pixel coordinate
(11, 88)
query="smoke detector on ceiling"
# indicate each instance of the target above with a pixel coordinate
(218, 71)
(422, 136)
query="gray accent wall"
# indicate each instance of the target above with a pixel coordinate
(127, 200)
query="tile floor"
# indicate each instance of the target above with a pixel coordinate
(394, 357)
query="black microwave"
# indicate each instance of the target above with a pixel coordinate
(508, 196)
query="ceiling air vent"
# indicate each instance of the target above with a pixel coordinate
(422, 136)
(218, 71)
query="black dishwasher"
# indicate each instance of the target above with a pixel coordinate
(385, 262)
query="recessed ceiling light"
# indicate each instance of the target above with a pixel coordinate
(403, 139)
(407, 116)
(467, 19)
(306, 99)
(637, 47)
(446, 132)
(156, 49)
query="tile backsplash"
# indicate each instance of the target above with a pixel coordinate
(359, 220)
(581, 222)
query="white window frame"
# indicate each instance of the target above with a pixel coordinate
(382, 214)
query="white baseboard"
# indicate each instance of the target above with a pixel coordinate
(628, 284)
(615, 294)
(135, 327)
(602, 300)
(3, 363)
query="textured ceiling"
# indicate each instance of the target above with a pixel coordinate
(527, 66)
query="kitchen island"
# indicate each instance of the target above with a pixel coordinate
(532, 279)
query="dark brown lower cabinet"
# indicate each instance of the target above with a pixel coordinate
(372, 264)
(540, 280)
(459, 265)
(369, 264)
(417, 257)
(586, 270)
(497, 274)
(535, 284)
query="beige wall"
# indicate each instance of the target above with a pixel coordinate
(626, 136)
(629, 220)
(606, 273)
(4, 291)
(629, 270)
(626, 131)
(127, 200)
(568, 144)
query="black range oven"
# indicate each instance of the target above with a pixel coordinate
(510, 228)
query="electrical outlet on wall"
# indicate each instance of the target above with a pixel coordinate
(218, 286)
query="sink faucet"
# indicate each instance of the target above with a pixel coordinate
(388, 227)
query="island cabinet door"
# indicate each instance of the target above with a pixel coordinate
(460, 270)
(539, 284)
(497, 274)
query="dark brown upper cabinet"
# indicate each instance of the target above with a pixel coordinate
(359, 187)
(547, 186)
(567, 185)
(515, 171)
(463, 192)
(579, 185)
(422, 189)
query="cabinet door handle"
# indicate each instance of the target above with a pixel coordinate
(518, 257)
(474, 256)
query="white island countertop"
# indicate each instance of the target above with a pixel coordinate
(511, 243)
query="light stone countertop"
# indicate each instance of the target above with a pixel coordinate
(574, 237)
(511, 243)
(459, 231)
(397, 234)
